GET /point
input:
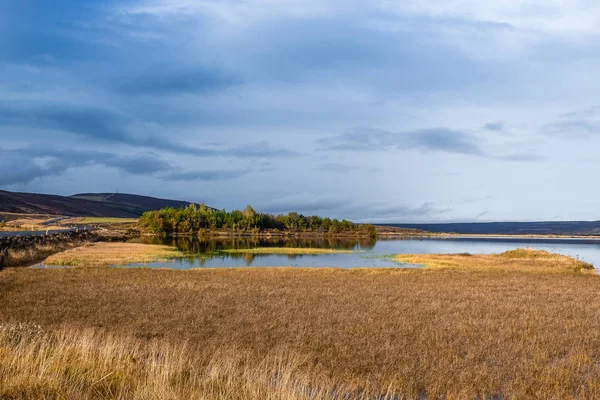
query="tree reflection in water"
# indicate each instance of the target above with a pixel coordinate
(201, 248)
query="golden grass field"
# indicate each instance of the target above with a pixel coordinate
(104, 254)
(468, 330)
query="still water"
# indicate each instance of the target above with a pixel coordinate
(369, 253)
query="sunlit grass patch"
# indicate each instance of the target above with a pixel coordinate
(105, 254)
(518, 259)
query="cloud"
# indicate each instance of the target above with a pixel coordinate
(165, 80)
(146, 164)
(435, 139)
(482, 214)
(106, 125)
(520, 157)
(337, 207)
(36, 162)
(576, 124)
(344, 168)
(208, 175)
(155, 83)
(81, 120)
(19, 169)
(304, 204)
(42, 162)
(494, 126)
(61, 31)
(573, 128)
(427, 140)
(405, 212)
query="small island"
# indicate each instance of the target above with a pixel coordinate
(203, 220)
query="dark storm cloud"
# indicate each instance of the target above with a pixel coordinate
(436, 139)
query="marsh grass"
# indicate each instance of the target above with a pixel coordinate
(286, 333)
(514, 260)
(288, 250)
(72, 364)
(105, 254)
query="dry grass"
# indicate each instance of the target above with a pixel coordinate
(37, 251)
(27, 225)
(287, 250)
(523, 260)
(443, 333)
(104, 254)
(72, 364)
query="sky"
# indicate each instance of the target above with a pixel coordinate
(370, 110)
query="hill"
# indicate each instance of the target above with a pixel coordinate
(83, 205)
(511, 228)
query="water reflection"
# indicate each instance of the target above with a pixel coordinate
(201, 252)
(195, 245)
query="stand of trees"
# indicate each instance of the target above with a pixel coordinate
(192, 219)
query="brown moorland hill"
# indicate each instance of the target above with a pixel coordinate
(80, 205)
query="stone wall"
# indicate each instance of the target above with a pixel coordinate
(19, 250)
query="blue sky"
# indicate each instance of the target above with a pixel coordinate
(382, 111)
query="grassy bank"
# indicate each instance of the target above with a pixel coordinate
(105, 254)
(455, 333)
(523, 260)
(287, 250)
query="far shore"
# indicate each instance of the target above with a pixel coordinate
(387, 235)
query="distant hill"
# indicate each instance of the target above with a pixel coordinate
(84, 205)
(511, 228)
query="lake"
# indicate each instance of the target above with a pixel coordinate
(208, 253)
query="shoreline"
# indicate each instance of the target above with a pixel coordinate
(380, 236)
